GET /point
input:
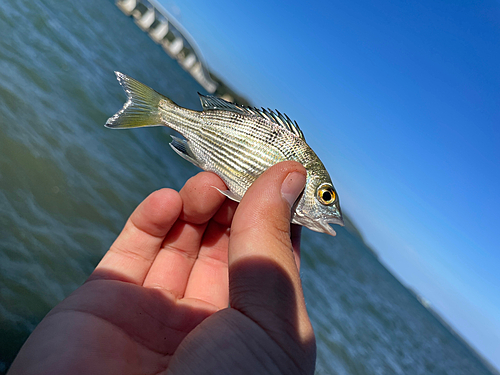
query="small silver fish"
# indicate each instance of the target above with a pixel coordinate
(238, 144)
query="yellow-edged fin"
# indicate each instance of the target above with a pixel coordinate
(141, 108)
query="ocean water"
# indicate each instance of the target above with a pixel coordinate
(67, 185)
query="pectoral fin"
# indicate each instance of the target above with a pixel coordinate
(229, 194)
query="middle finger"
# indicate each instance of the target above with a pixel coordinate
(173, 264)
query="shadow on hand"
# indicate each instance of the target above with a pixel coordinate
(265, 330)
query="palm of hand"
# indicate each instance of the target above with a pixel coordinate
(160, 279)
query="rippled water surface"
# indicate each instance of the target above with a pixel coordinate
(67, 185)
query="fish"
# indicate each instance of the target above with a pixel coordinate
(238, 143)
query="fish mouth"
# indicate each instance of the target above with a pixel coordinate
(335, 220)
(325, 225)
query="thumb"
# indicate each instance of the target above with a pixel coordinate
(264, 281)
(261, 224)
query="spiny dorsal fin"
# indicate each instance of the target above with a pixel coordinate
(277, 118)
(209, 102)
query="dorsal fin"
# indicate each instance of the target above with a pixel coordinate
(209, 102)
(277, 118)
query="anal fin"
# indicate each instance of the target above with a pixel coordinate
(181, 147)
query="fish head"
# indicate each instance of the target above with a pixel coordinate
(319, 205)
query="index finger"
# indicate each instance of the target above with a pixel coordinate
(135, 249)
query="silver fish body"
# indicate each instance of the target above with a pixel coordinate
(238, 144)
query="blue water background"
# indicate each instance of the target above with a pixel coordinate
(67, 185)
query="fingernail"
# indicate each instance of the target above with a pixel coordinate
(292, 187)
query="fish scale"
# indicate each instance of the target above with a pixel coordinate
(238, 144)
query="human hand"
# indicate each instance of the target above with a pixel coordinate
(158, 301)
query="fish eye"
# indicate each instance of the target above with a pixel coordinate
(326, 194)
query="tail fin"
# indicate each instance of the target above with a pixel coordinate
(141, 108)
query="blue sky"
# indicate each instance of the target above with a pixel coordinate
(401, 100)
